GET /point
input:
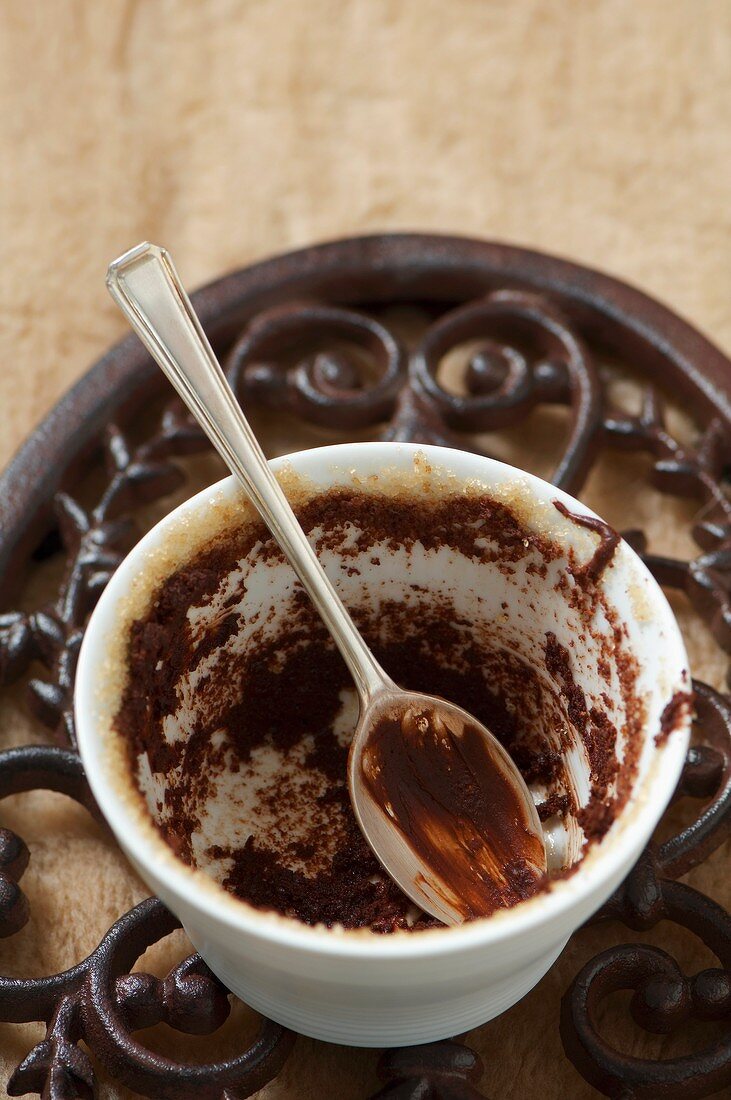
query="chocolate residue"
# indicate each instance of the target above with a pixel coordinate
(282, 694)
(597, 817)
(279, 705)
(558, 664)
(674, 713)
(609, 540)
(353, 892)
(456, 806)
(597, 732)
(555, 804)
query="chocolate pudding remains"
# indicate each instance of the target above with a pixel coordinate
(237, 710)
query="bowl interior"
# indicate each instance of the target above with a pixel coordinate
(484, 593)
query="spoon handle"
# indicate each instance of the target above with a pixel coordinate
(144, 284)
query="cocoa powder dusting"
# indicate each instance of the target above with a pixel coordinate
(674, 713)
(598, 735)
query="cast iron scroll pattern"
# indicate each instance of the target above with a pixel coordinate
(94, 543)
(99, 1000)
(437, 1071)
(337, 364)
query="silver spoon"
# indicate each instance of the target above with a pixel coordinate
(438, 799)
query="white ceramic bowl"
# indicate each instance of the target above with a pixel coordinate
(359, 988)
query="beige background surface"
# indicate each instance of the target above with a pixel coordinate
(599, 129)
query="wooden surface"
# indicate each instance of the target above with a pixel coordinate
(597, 129)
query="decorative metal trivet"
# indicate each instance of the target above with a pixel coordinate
(309, 335)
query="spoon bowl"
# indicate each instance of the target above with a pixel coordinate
(444, 807)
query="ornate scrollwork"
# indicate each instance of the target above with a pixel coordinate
(94, 542)
(99, 1000)
(328, 385)
(436, 1071)
(664, 999)
(14, 857)
(190, 999)
(527, 355)
(698, 472)
(327, 360)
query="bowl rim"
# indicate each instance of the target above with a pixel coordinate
(603, 863)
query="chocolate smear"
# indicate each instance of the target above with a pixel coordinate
(450, 796)
(609, 540)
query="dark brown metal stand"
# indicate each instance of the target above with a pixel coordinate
(307, 335)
